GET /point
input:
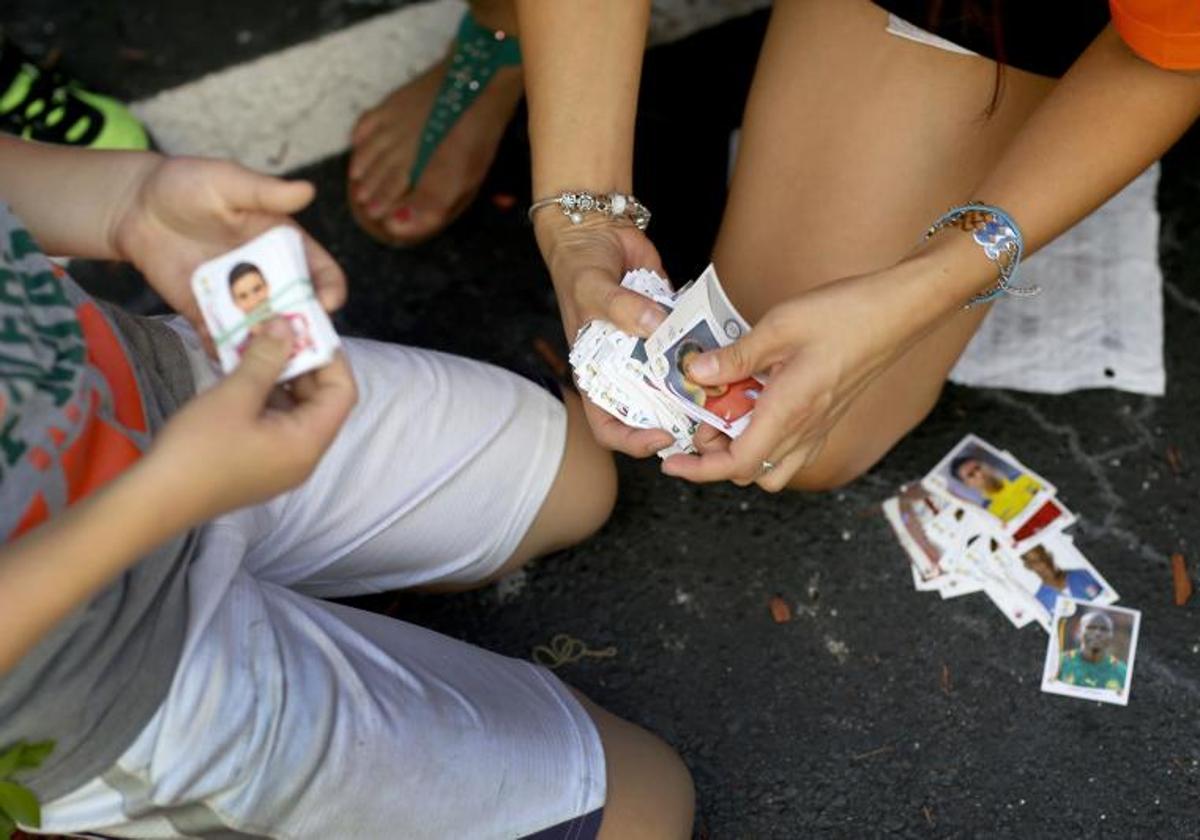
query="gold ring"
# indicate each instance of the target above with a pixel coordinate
(767, 466)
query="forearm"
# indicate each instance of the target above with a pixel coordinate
(66, 197)
(54, 568)
(1108, 119)
(583, 63)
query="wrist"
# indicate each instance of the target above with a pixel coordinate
(125, 229)
(547, 228)
(601, 169)
(901, 295)
(553, 231)
(602, 166)
(551, 227)
(947, 271)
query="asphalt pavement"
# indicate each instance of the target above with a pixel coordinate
(877, 710)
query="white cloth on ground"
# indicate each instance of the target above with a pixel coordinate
(1099, 320)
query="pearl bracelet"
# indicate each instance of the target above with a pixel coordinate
(615, 205)
(1001, 240)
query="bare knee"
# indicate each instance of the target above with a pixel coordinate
(840, 464)
(650, 791)
(588, 476)
(577, 505)
(581, 498)
(860, 440)
(828, 474)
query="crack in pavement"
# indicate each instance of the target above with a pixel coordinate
(1165, 673)
(1110, 524)
(1180, 297)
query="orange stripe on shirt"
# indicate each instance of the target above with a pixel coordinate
(1164, 32)
(108, 356)
(35, 515)
(97, 456)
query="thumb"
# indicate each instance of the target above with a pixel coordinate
(285, 197)
(739, 360)
(254, 191)
(265, 357)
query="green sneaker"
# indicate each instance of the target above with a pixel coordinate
(46, 106)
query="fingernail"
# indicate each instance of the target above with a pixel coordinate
(704, 366)
(651, 318)
(403, 214)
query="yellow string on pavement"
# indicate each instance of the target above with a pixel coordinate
(565, 649)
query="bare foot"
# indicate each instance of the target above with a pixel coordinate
(386, 139)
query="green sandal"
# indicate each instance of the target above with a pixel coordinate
(478, 53)
(40, 105)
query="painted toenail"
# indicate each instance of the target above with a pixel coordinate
(403, 214)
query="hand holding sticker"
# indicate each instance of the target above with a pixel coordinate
(265, 278)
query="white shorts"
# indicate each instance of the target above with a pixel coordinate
(291, 717)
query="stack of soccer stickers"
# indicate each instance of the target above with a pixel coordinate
(265, 278)
(981, 521)
(644, 383)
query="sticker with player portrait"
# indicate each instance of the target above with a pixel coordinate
(264, 279)
(724, 407)
(1091, 650)
(983, 477)
(932, 529)
(910, 513)
(1051, 567)
(927, 527)
(703, 319)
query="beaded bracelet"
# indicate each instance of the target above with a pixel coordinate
(1001, 240)
(575, 205)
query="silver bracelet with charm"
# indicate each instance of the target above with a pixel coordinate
(576, 205)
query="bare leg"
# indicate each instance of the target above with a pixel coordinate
(578, 504)
(650, 793)
(854, 140)
(386, 139)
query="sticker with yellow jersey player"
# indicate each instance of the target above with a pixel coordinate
(994, 482)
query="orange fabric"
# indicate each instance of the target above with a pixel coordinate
(35, 515)
(108, 356)
(1164, 32)
(98, 455)
(40, 458)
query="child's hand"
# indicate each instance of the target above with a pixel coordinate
(228, 448)
(180, 212)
